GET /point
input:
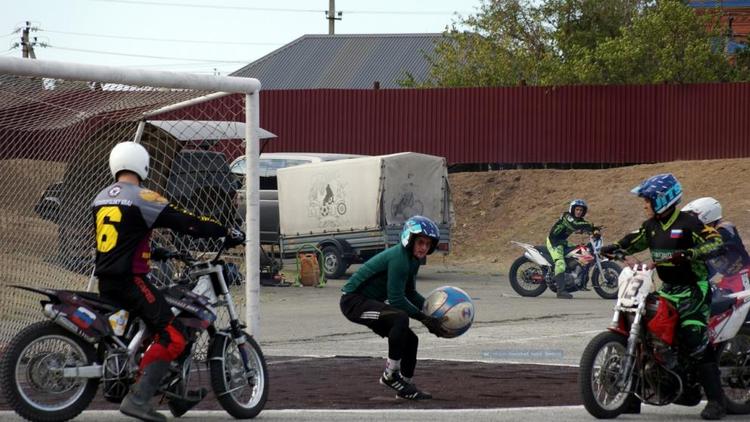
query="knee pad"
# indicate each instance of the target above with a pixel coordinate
(167, 346)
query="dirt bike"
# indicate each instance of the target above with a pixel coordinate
(632, 362)
(50, 371)
(532, 273)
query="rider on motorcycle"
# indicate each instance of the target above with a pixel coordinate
(734, 257)
(679, 242)
(125, 213)
(557, 241)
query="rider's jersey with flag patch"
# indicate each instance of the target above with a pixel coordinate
(682, 231)
(124, 215)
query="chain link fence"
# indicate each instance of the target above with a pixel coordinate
(55, 138)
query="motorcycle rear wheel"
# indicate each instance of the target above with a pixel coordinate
(527, 278)
(31, 373)
(734, 363)
(599, 369)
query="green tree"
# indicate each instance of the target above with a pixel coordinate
(668, 43)
(553, 42)
(506, 44)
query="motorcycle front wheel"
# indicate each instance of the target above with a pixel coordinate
(599, 371)
(734, 364)
(527, 277)
(243, 395)
(605, 283)
(31, 371)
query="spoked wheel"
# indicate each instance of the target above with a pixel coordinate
(734, 363)
(242, 394)
(599, 372)
(605, 283)
(32, 373)
(527, 278)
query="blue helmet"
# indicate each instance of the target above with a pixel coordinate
(420, 225)
(663, 190)
(578, 203)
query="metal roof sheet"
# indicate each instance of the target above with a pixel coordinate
(344, 61)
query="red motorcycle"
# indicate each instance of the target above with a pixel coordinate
(637, 360)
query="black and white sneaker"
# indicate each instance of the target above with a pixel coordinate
(413, 393)
(404, 390)
(394, 381)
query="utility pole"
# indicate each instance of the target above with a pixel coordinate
(331, 16)
(27, 47)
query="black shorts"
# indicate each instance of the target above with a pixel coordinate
(376, 315)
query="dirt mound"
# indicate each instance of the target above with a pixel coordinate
(495, 207)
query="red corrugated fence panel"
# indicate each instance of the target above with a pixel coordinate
(571, 124)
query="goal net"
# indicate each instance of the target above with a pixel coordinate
(55, 138)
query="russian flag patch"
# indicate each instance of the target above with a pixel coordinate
(676, 234)
(83, 318)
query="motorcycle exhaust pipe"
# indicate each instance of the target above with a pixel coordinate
(61, 319)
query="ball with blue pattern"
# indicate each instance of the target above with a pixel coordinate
(663, 190)
(452, 304)
(420, 225)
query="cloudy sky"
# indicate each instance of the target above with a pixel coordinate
(202, 36)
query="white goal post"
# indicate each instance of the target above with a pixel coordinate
(54, 116)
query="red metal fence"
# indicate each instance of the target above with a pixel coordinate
(571, 124)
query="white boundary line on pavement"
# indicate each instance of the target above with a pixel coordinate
(218, 413)
(304, 358)
(402, 411)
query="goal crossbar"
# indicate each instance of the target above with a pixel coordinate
(126, 76)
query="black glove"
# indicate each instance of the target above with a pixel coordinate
(234, 237)
(160, 254)
(680, 257)
(434, 325)
(609, 249)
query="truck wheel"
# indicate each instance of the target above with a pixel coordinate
(334, 265)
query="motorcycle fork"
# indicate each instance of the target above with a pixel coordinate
(625, 383)
(235, 325)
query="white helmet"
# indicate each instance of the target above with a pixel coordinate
(707, 209)
(129, 156)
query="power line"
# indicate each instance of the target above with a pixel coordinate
(212, 6)
(170, 64)
(400, 12)
(112, 53)
(15, 32)
(157, 39)
(274, 9)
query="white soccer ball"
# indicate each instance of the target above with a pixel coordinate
(454, 304)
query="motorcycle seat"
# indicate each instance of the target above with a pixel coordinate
(721, 304)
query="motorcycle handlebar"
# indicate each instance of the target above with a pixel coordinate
(164, 254)
(619, 255)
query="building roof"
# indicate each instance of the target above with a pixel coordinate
(344, 61)
(719, 3)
